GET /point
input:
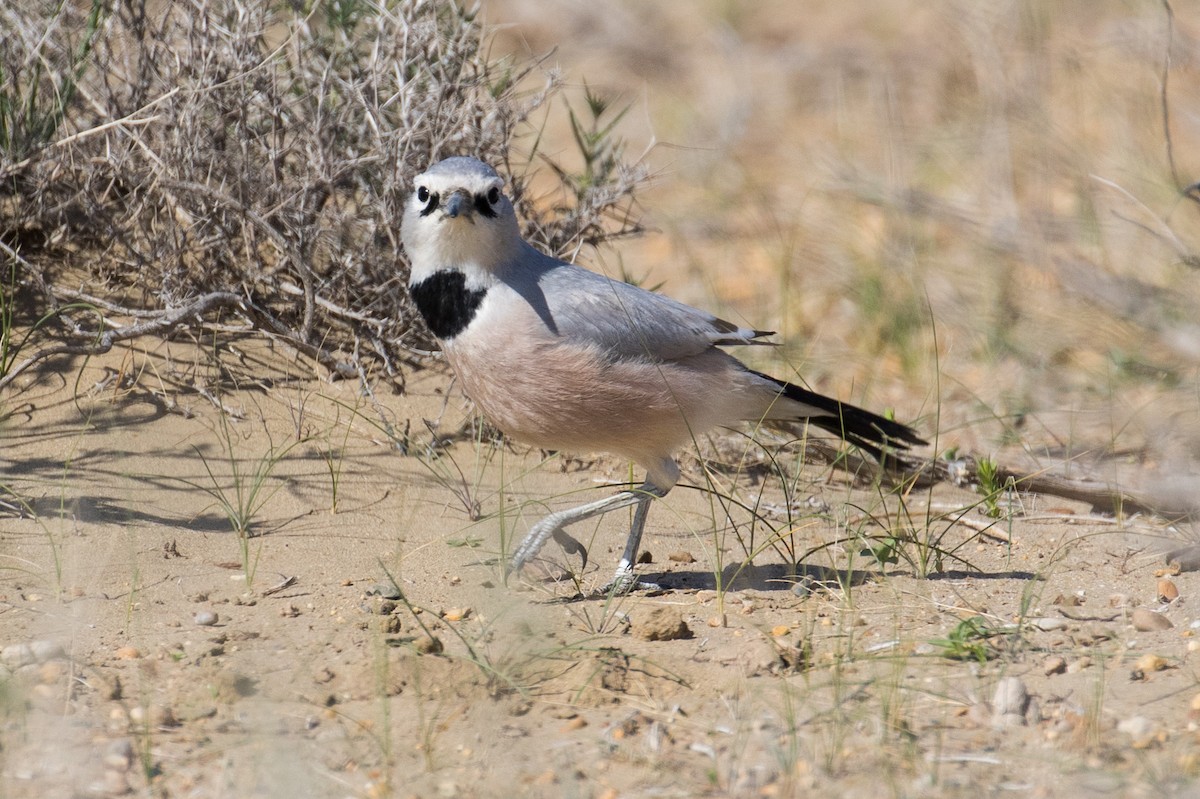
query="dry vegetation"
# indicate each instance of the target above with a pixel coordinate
(982, 216)
(169, 168)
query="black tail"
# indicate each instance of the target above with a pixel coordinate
(866, 430)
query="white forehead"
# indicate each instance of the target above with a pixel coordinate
(460, 172)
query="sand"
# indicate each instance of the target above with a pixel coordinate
(379, 649)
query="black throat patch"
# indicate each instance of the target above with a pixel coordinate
(446, 303)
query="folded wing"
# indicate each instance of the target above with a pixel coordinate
(630, 322)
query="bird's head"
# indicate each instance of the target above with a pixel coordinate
(458, 217)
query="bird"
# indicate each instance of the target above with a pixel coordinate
(567, 359)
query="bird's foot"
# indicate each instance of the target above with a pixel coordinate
(525, 554)
(625, 582)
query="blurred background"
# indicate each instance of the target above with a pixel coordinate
(974, 214)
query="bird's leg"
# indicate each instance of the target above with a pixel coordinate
(623, 580)
(553, 524)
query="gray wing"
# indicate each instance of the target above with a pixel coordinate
(629, 322)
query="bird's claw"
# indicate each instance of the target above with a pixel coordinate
(571, 546)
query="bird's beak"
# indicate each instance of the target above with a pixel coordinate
(459, 204)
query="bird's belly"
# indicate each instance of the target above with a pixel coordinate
(556, 396)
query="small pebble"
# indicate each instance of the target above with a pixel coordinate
(1010, 698)
(206, 618)
(1050, 624)
(804, 586)
(717, 620)
(379, 606)
(1167, 590)
(780, 630)
(50, 672)
(660, 624)
(1079, 665)
(389, 625)
(128, 653)
(1150, 662)
(428, 645)
(681, 556)
(1146, 620)
(119, 754)
(456, 614)
(1136, 727)
(155, 717)
(384, 591)
(118, 719)
(47, 650)
(16, 655)
(1054, 665)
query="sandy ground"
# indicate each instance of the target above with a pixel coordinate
(150, 649)
(913, 194)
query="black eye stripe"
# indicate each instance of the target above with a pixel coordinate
(484, 206)
(483, 202)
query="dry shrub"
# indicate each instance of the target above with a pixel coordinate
(243, 166)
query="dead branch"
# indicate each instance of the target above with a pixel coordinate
(101, 340)
(269, 160)
(1102, 496)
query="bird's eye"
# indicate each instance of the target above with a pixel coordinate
(493, 195)
(430, 199)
